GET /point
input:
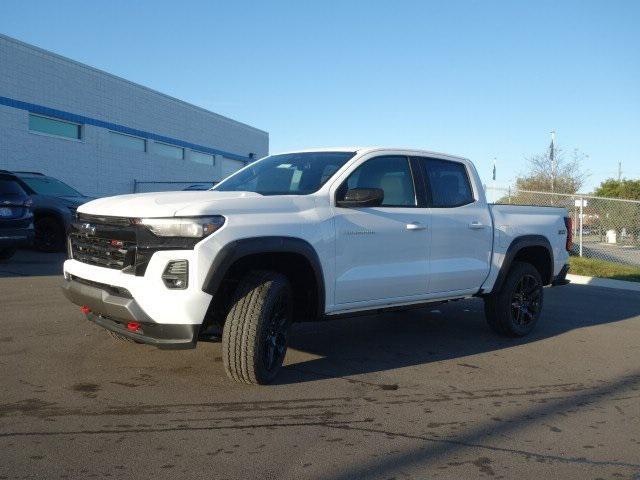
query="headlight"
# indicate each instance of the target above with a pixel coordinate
(185, 227)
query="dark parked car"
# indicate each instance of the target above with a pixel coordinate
(16, 217)
(54, 207)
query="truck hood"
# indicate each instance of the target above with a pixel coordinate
(211, 202)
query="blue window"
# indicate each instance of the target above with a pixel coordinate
(128, 141)
(53, 126)
(199, 157)
(170, 151)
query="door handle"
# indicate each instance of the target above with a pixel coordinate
(476, 225)
(416, 226)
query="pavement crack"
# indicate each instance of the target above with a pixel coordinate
(179, 428)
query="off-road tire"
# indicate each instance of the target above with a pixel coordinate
(500, 312)
(248, 336)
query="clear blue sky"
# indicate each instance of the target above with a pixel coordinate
(481, 79)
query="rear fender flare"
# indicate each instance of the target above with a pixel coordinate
(516, 246)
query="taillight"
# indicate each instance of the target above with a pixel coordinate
(568, 223)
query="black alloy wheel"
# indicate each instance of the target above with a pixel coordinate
(525, 301)
(515, 309)
(277, 335)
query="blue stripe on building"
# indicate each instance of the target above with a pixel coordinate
(72, 117)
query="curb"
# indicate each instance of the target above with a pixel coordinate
(604, 282)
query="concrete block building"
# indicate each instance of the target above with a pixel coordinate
(99, 133)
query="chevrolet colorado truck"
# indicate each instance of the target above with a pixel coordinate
(307, 236)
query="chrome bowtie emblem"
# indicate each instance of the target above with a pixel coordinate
(88, 229)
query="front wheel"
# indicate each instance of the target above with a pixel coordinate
(256, 330)
(515, 310)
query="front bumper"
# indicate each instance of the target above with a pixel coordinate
(114, 309)
(160, 304)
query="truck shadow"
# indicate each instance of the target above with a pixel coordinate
(30, 263)
(384, 342)
(429, 451)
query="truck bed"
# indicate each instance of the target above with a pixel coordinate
(511, 221)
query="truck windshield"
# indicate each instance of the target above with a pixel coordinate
(288, 174)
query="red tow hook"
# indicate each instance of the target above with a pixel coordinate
(84, 309)
(133, 326)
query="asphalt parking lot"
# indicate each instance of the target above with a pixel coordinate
(431, 393)
(625, 254)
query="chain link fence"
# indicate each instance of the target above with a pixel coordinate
(604, 228)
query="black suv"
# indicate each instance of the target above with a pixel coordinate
(54, 207)
(16, 218)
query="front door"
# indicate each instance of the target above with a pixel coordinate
(382, 252)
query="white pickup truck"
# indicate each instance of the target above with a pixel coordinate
(307, 236)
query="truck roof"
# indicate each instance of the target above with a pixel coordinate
(362, 150)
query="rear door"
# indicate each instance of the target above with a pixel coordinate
(382, 252)
(461, 233)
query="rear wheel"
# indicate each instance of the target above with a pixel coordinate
(256, 330)
(515, 309)
(49, 234)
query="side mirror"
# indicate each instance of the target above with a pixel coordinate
(361, 197)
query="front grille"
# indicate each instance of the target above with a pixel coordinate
(118, 243)
(104, 252)
(108, 242)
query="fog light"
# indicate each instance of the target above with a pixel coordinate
(176, 275)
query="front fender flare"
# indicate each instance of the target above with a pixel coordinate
(238, 249)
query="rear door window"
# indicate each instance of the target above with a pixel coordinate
(447, 183)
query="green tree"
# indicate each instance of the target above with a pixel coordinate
(619, 215)
(628, 189)
(553, 172)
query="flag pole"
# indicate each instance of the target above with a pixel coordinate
(493, 177)
(552, 157)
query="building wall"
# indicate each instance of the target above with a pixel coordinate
(34, 80)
